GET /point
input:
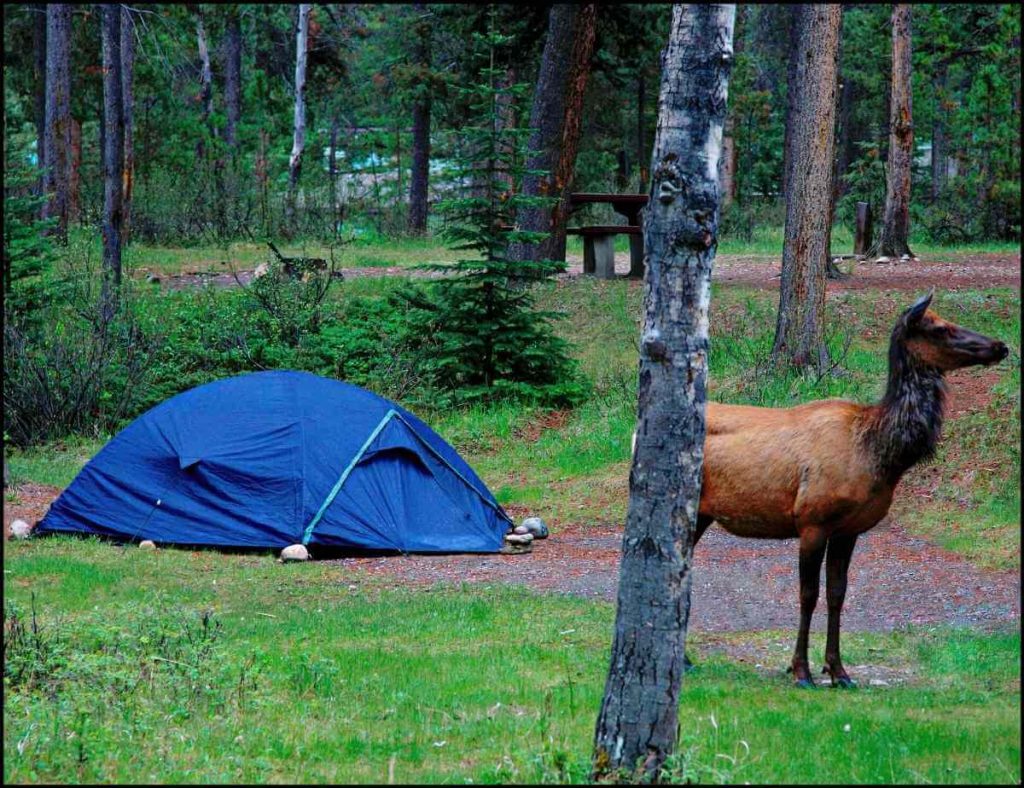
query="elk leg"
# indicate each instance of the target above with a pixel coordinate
(812, 550)
(703, 523)
(837, 563)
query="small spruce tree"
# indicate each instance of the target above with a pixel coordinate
(27, 249)
(489, 342)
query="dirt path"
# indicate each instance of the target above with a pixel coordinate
(953, 272)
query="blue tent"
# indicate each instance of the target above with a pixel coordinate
(277, 458)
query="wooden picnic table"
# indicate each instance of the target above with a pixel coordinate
(599, 240)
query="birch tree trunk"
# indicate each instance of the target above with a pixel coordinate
(113, 157)
(127, 108)
(556, 120)
(637, 726)
(299, 138)
(233, 76)
(57, 150)
(800, 331)
(206, 78)
(419, 179)
(895, 240)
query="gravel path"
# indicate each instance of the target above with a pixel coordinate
(741, 584)
(953, 272)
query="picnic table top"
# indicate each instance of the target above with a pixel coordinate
(580, 197)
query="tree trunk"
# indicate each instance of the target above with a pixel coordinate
(332, 173)
(128, 106)
(57, 151)
(641, 132)
(799, 333)
(233, 77)
(113, 157)
(895, 240)
(556, 120)
(637, 726)
(39, 86)
(74, 179)
(419, 179)
(206, 79)
(939, 132)
(299, 138)
(792, 99)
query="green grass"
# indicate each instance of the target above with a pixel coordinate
(315, 673)
(374, 251)
(576, 471)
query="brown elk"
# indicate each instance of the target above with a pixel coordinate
(825, 471)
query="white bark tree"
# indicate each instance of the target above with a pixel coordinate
(636, 729)
(299, 137)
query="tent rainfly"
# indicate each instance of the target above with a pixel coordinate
(276, 458)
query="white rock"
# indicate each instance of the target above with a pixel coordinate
(535, 526)
(20, 530)
(520, 529)
(295, 552)
(904, 258)
(882, 260)
(519, 538)
(147, 544)
(261, 270)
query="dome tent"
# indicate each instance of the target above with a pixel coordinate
(270, 459)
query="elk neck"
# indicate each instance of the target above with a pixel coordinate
(903, 429)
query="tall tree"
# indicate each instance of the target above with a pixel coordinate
(206, 78)
(637, 726)
(800, 332)
(556, 121)
(419, 180)
(57, 150)
(39, 83)
(127, 113)
(113, 156)
(233, 76)
(895, 240)
(299, 126)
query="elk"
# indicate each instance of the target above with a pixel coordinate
(825, 472)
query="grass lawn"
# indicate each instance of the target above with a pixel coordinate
(177, 666)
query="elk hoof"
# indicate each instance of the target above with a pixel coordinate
(806, 683)
(842, 681)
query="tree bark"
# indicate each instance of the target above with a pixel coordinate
(299, 136)
(57, 150)
(206, 80)
(556, 121)
(39, 86)
(637, 726)
(74, 173)
(127, 109)
(233, 77)
(939, 132)
(420, 176)
(792, 99)
(895, 239)
(641, 132)
(799, 333)
(113, 156)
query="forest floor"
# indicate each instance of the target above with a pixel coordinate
(949, 271)
(896, 578)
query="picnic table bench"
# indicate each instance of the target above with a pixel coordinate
(599, 240)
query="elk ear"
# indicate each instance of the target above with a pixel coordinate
(916, 312)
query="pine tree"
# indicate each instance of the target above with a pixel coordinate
(490, 341)
(27, 249)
